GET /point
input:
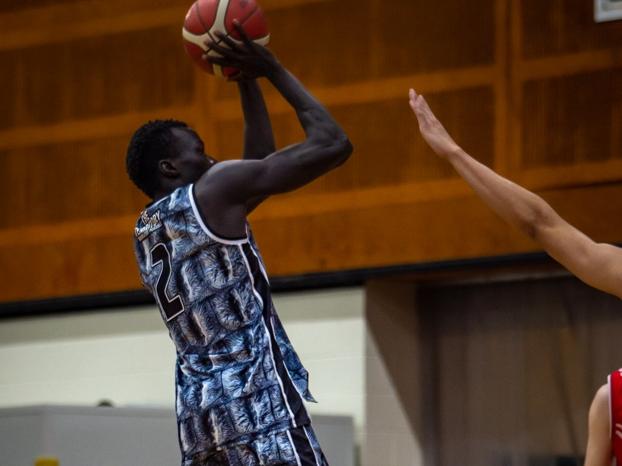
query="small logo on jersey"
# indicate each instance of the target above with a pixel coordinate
(150, 224)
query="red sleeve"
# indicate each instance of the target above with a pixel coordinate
(615, 410)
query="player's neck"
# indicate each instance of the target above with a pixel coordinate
(168, 189)
(161, 194)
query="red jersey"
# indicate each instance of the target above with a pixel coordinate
(615, 409)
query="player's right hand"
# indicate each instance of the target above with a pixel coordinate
(431, 129)
(250, 58)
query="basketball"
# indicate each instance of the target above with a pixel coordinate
(206, 17)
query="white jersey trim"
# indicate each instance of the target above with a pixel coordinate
(204, 227)
(263, 270)
(317, 461)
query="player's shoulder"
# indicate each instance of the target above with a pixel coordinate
(230, 169)
(225, 179)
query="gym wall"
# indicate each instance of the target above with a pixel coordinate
(528, 87)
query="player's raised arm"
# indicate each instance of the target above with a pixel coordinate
(254, 60)
(599, 265)
(258, 135)
(228, 191)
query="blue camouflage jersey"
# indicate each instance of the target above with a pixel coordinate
(238, 378)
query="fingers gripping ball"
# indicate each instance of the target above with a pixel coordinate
(207, 17)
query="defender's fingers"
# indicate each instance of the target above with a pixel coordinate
(419, 105)
(423, 106)
(412, 99)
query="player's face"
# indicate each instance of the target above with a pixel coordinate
(190, 159)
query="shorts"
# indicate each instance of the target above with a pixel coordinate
(294, 447)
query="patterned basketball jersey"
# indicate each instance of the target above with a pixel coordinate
(237, 374)
(615, 405)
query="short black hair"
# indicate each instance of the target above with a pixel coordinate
(150, 143)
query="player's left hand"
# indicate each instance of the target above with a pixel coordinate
(250, 58)
(431, 129)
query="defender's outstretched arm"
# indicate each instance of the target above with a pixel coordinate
(597, 264)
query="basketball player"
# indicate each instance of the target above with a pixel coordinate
(240, 385)
(598, 265)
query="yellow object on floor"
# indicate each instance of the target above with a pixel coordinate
(46, 461)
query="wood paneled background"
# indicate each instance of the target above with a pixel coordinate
(531, 87)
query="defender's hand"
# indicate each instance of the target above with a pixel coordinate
(250, 58)
(431, 129)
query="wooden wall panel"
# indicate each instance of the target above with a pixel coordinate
(455, 227)
(529, 87)
(90, 265)
(96, 76)
(16, 5)
(317, 42)
(73, 14)
(572, 120)
(321, 42)
(371, 39)
(83, 177)
(554, 27)
(419, 35)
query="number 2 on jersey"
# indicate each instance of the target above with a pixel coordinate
(174, 306)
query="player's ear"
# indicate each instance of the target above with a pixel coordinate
(168, 169)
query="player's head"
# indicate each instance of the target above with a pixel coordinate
(164, 155)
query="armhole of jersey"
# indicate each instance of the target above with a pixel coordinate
(203, 224)
(610, 387)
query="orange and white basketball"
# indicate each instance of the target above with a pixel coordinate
(206, 17)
